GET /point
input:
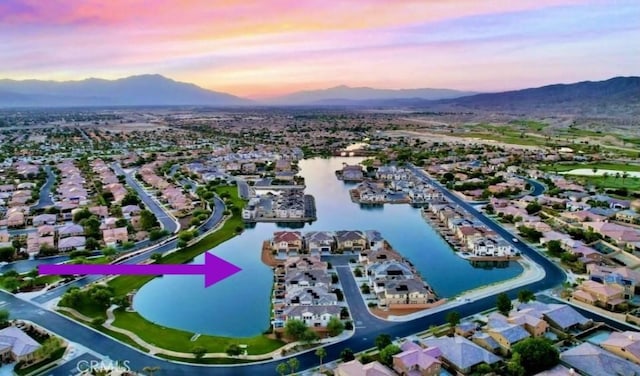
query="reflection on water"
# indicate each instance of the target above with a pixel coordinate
(239, 306)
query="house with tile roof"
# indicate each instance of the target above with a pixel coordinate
(287, 241)
(319, 242)
(355, 368)
(589, 359)
(624, 344)
(596, 293)
(17, 346)
(351, 240)
(415, 360)
(312, 316)
(460, 354)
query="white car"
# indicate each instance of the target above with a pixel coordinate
(515, 240)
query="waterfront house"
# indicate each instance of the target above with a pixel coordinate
(588, 359)
(410, 291)
(307, 296)
(374, 239)
(391, 269)
(355, 368)
(352, 173)
(624, 344)
(318, 242)
(307, 278)
(460, 354)
(17, 346)
(312, 316)
(351, 241)
(418, 361)
(492, 247)
(287, 241)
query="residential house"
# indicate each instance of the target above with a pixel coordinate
(113, 237)
(17, 346)
(589, 359)
(130, 210)
(312, 316)
(623, 236)
(624, 344)
(374, 239)
(351, 241)
(418, 361)
(629, 216)
(355, 368)
(319, 242)
(592, 292)
(71, 243)
(461, 354)
(70, 229)
(505, 333)
(405, 292)
(287, 241)
(46, 230)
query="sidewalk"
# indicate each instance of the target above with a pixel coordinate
(154, 350)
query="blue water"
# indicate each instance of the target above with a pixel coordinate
(239, 306)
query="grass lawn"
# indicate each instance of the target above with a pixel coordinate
(207, 360)
(41, 280)
(125, 284)
(180, 340)
(632, 184)
(89, 309)
(57, 354)
(92, 260)
(562, 167)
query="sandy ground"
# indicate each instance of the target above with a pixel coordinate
(589, 172)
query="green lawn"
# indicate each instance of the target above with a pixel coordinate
(55, 355)
(632, 184)
(562, 167)
(125, 284)
(207, 360)
(180, 340)
(89, 309)
(38, 281)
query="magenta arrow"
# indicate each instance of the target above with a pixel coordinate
(214, 269)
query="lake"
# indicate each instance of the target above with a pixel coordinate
(239, 306)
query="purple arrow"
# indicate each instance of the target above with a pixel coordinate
(214, 269)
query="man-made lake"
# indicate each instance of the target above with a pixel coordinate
(239, 306)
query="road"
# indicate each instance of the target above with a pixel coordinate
(243, 189)
(367, 326)
(45, 199)
(168, 223)
(538, 188)
(162, 247)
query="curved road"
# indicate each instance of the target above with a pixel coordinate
(45, 199)
(367, 326)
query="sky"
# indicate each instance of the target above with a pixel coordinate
(261, 49)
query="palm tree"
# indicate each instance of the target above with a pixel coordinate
(282, 368)
(150, 370)
(321, 353)
(293, 364)
(617, 175)
(624, 176)
(605, 175)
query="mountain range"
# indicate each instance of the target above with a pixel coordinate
(619, 93)
(144, 90)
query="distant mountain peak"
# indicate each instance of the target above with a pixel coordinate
(138, 90)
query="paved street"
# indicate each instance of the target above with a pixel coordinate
(168, 223)
(45, 199)
(368, 327)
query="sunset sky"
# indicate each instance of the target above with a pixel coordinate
(265, 48)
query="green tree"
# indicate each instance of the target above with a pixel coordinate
(148, 220)
(525, 296)
(293, 364)
(536, 354)
(198, 352)
(504, 304)
(309, 336)
(554, 247)
(109, 251)
(7, 253)
(233, 350)
(81, 214)
(453, 318)
(4, 317)
(91, 227)
(282, 368)
(11, 283)
(347, 355)
(514, 366)
(294, 329)
(335, 327)
(321, 353)
(382, 341)
(386, 354)
(533, 207)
